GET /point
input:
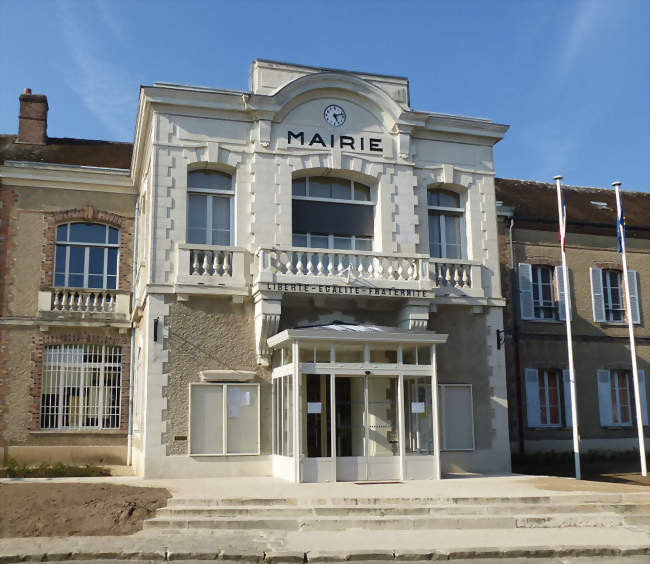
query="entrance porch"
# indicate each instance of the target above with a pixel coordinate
(355, 403)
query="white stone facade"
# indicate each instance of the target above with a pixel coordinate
(265, 139)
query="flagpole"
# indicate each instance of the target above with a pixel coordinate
(620, 226)
(569, 336)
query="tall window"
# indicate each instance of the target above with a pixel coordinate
(543, 298)
(332, 213)
(86, 256)
(81, 387)
(445, 213)
(614, 310)
(209, 207)
(616, 397)
(544, 403)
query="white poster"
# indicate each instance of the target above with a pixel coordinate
(417, 407)
(313, 407)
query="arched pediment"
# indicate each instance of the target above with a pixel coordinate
(338, 85)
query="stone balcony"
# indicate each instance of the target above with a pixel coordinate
(295, 265)
(84, 304)
(211, 269)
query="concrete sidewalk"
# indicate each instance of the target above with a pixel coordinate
(543, 544)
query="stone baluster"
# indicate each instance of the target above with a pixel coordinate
(205, 265)
(390, 271)
(457, 275)
(447, 275)
(278, 262)
(400, 270)
(320, 268)
(340, 267)
(410, 271)
(466, 276)
(195, 263)
(227, 267)
(66, 300)
(360, 266)
(289, 263)
(330, 265)
(216, 263)
(379, 270)
(310, 264)
(371, 268)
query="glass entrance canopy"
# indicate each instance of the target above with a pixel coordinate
(355, 403)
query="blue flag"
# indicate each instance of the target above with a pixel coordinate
(620, 227)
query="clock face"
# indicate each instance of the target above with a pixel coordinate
(334, 115)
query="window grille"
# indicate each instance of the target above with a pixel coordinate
(81, 387)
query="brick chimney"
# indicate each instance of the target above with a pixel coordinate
(32, 120)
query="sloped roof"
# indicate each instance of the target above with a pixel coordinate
(535, 207)
(64, 150)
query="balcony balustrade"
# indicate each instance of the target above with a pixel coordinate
(211, 265)
(74, 303)
(296, 264)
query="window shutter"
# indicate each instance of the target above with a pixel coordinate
(604, 398)
(566, 379)
(526, 291)
(642, 396)
(559, 280)
(634, 296)
(597, 300)
(532, 397)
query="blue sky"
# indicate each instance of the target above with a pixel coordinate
(571, 78)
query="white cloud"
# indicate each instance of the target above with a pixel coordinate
(103, 86)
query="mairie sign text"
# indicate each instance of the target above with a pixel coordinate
(345, 290)
(335, 141)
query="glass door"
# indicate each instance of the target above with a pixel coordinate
(367, 434)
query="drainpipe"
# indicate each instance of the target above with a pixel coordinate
(515, 338)
(129, 442)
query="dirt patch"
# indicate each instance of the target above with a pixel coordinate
(63, 510)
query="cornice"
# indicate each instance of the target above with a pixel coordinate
(66, 177)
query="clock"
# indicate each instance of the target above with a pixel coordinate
(334, 115)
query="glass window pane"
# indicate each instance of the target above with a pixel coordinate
(96, 260)
(112, 261)
(77, 260)
(87, 233)
(220, 212)
(113, 235)
(206, 419)
(59, 279)
(197, 219)
(75, 281)
(111, 282)
(448, 199)
(319, 241)
(418, 420)
(62, 232)
(209, 180)
(350, 406)
(287, 416)
(361, 192)
(432, 198)
(243, 419)
(96, 281)
(383, 438)
(316, 407)
(299, 187)
(452, 234)
(435, 247)
(341, 189)
(343, 243)
(320, 187)
(424, 355)
(363, 244)
(59, 258)
(299, 240)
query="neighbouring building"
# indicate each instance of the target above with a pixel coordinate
(536, 347)
(300, 280)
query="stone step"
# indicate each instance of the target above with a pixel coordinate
(390, 523)
(636, 497)
(392, 510)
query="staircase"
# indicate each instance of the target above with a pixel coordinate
(401, 514)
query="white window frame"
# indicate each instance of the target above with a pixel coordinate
(224, 421)
(211, 193)
(442, 213)
(608, 293)
(330, 241)
(369, 202)
(68, 365)
(87, 246)
(538, 283)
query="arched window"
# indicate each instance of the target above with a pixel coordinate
(209, 207)
(86, 256)
(445, 215)
(332, 213)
